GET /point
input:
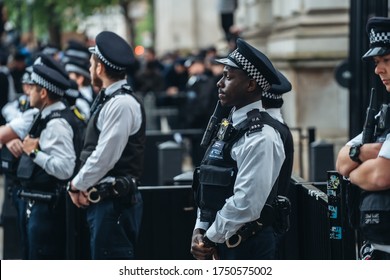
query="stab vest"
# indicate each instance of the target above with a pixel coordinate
(31, 175)
(215, 178)
(132, 159)
(375, 206)
(9, 163)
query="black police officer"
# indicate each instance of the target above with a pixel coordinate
(241, 166)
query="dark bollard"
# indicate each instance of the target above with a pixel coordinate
(169, 162)
(321, 160)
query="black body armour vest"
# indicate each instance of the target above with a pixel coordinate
(375, 206)
(215, 178)
(9, 163)
(132, 159)
(31, 175)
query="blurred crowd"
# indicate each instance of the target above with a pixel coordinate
(186, 83)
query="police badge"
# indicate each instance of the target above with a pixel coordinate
(225, 131)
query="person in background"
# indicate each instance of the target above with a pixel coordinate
(7, 86)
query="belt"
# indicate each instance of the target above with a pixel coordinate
(37, 195)
(122, 186)
(267, 218)
(246, 231)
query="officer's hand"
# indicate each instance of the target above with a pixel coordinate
(78, 198)
(198, 250)
(83, 199)
(30, 144)
(15, 146)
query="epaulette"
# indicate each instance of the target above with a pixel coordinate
(255, 122)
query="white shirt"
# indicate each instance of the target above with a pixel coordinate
(84, 108)
(21, 125)
(56, 151)
(119, 118)
(11, 110)
(259, 158)
(87, 93)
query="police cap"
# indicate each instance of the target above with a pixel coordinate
(79, 66)
(273, 96)
(113, 51)
(49, 61)
(276, 91)
(73, 90)
(254, 63)
(49, 79)
(26, 78)
(76, 50)
(378, 30)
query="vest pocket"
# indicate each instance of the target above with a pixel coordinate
(216, 185)
(9, 163)
(25, 167)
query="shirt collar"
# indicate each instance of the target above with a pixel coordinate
(240, 114)
(52, 107)
(114, 87)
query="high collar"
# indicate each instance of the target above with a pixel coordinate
(240, 114)
(114, 87)
(52, 107)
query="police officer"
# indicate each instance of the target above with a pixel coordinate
(112, 157)
(241, 166)
(78, 71)
(47, 162)
(272, 101)
(15, 108)
(19, 115)
(367, 164)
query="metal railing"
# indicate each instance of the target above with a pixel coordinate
(319, 228)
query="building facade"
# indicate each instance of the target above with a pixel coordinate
(306, 40)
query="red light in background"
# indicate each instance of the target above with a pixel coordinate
(139, 50)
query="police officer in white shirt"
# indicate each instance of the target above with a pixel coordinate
(241, 166)
(112, 156)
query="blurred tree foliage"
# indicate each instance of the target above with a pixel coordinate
(51, 17)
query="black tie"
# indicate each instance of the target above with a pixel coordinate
(98, 101)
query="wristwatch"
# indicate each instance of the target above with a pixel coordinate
(354, 153)
(33, 153)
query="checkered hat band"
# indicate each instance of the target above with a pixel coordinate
(46, 84)
(269, 95)
(78, 54)
(26, 79)
(251, 70)
(106, 62)
(383, 37)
